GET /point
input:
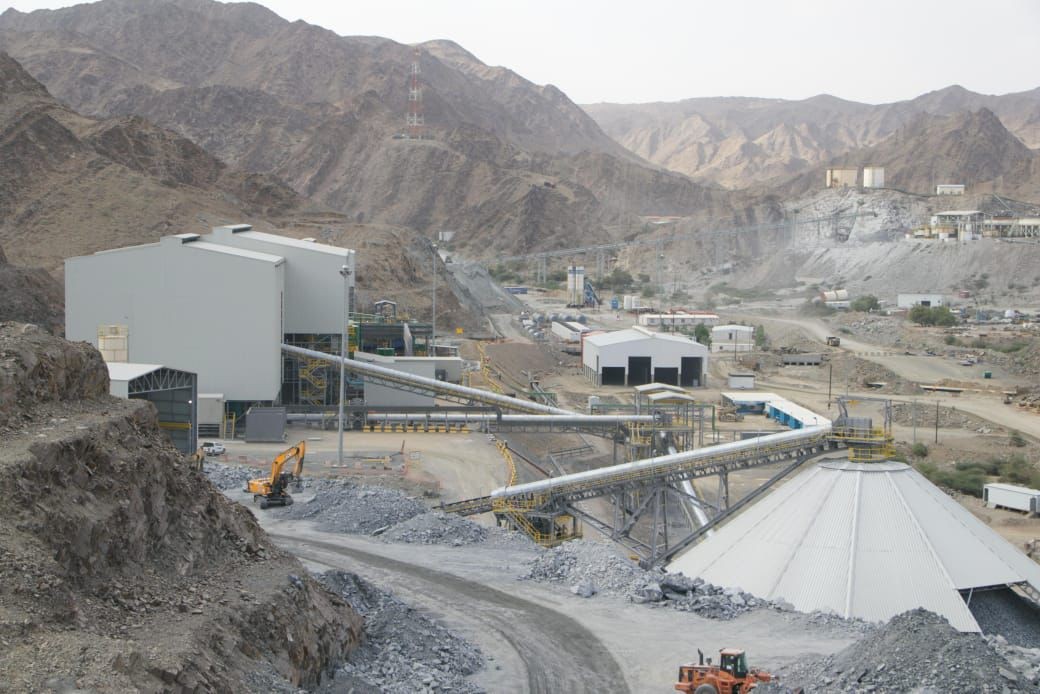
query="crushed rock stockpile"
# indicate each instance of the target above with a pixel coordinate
(436, 528)
(403, 650)
(229, 477)
(914, 651)
(591, 567)
(121, 568)
(342, 506)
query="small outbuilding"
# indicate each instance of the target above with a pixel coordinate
(911, 300)
(742, 381)
(732, 338)
(1011, 496)
(637, 356)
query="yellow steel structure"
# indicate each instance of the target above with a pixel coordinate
(872, 445)
(313, 380)
(517, 510)
(485, 369)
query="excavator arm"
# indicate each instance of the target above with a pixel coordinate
(271, 491)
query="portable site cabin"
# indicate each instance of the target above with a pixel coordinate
(1010, 496)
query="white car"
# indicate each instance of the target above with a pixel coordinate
(210, 448)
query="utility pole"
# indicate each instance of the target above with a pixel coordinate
(433, 327)
(345, 273)
(913, 417)
(937, 421)
(830, 382)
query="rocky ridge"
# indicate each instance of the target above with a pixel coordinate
(120, 567)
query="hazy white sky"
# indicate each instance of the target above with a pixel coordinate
(665, 50)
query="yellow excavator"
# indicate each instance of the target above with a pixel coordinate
(273, 490)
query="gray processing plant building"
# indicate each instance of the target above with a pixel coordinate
(218, 305)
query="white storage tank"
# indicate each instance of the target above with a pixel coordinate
(999, 495)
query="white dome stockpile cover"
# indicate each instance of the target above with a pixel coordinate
(865, 540)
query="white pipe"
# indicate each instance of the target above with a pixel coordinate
(665, 461)
(463, 418)
(432, 384)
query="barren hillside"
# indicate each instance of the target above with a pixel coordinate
(125, 570)
(72, 185)
(973, 148)
(511, 165)
(738, 141)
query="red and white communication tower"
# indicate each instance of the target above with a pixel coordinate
(416, 122)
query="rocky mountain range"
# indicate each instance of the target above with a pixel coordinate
(510, 165)
(974, 148)
(72, 185)
(739, 141)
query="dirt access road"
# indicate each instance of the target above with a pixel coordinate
(919, 369)
(916, 368)
(542, 638)
(535, 649)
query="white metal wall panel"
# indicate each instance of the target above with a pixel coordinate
(188, 306)
(313, 285)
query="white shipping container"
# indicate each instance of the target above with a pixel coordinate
(1012, 497)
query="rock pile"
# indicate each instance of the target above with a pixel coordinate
(226, 477)
(436, 528)
(342, 506)
(915, 651)
(1025, 661)
(591, 568)
(402, 650)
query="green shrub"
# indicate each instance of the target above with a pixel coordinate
(760, 337)
(951, 340)
(702, 334)
(919, 450)
(966, 481)
(1016, 440)
(932, 315)
(865, 304)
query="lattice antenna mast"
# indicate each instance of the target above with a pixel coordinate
(415, 119)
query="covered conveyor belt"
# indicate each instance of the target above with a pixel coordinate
(393, 378)
(677, 467)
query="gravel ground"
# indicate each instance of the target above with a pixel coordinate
(341, 506)
(916, 651)
(402, 649)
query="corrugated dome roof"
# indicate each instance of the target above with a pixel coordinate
(864, 540)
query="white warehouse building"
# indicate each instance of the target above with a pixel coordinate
(219, 306)
(732, 338)
(637, 356)
(911, 300)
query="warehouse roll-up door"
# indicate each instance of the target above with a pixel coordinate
(692, 367)
(613, 376)
(638, 371)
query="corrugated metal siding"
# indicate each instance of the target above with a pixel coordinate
(869, 541)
